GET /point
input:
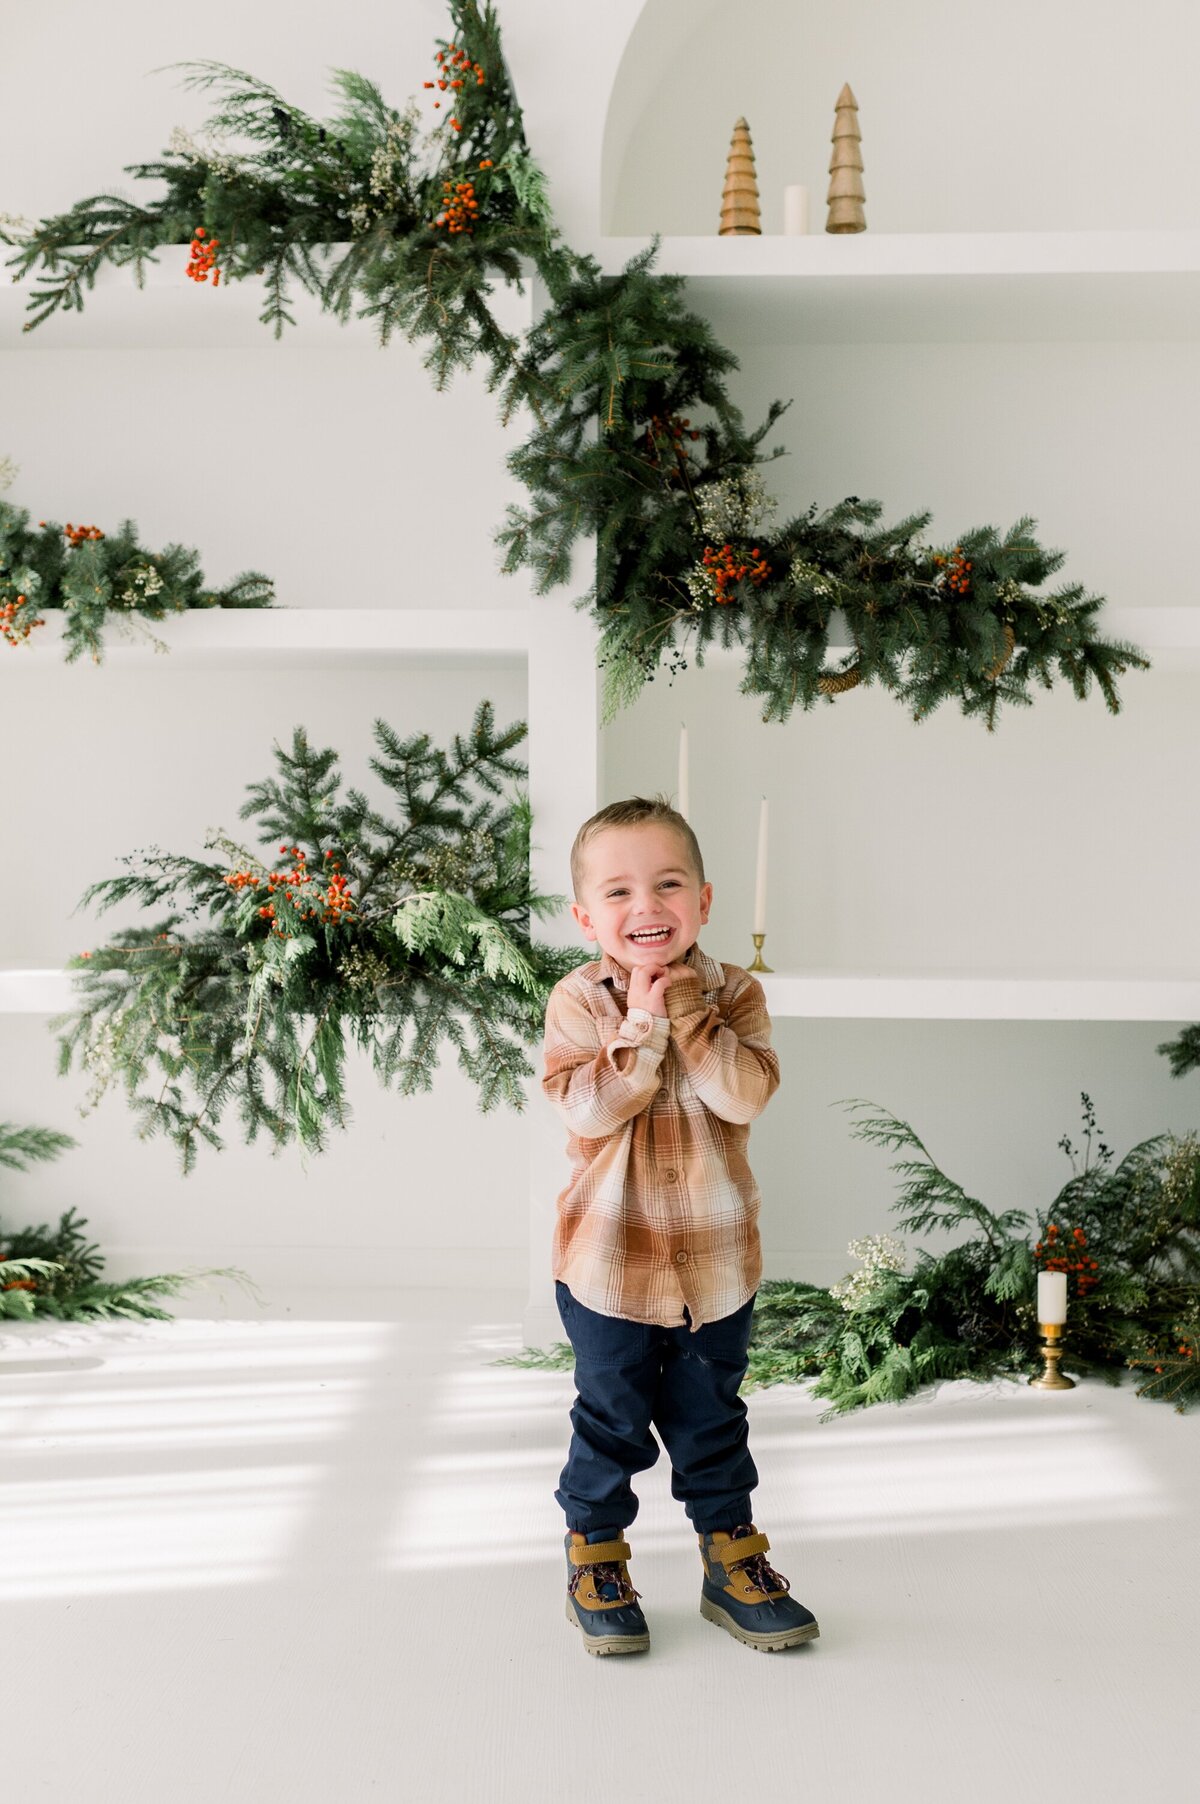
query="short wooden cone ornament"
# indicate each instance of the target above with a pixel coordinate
(739, 202)
(846, 194)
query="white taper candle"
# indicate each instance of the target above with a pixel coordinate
(1052, 1297)
(683, 800)
(795, 210)
(760, 874)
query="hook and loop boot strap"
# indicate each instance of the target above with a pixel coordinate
(730, 1552)
(596, 1551)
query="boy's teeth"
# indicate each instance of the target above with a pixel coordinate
(654, 933)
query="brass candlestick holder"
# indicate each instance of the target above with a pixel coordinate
(758, 965)
(1050, 1378)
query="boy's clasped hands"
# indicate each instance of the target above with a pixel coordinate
(648, 986)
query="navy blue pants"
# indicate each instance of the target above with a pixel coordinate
(631, 1374)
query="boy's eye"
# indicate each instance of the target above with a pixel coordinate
(671, 883)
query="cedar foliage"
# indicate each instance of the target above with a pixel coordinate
(400, 933)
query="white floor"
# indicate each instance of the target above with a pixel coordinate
(310, 1551)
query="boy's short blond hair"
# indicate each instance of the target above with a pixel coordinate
(635, 812)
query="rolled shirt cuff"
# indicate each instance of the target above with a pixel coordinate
(647, 1029)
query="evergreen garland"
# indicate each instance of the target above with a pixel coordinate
(614, 374)
(1127, 1236)
(686, 552)
(356, 210)
(56, 1272)
(93, 576)
(401, 933)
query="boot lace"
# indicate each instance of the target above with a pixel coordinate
(607, 1572)
(756, 1567)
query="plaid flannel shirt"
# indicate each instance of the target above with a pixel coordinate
(662, 1207)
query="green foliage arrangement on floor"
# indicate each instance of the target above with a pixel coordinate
(399, 933)
(1127, 1235)
(55, 1272)
(94, 577)
(635, 441)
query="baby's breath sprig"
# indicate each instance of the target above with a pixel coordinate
(881, 1255)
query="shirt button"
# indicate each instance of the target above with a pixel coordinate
(670, 1174)
(681, 1257)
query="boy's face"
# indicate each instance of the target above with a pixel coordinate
(641, 900)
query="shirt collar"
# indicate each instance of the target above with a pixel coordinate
(710, 973)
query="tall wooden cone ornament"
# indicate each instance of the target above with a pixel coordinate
(739, 201)
(846, 194)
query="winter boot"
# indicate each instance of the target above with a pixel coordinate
(745, 1596)
(600, 1599)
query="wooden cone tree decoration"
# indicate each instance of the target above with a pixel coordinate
(846, 194)
(739, 200)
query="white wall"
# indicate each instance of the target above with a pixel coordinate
(1062, 844)
(336, 468)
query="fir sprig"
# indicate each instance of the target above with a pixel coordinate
(399, 932)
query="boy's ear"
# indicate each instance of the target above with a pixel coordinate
(584, 921)
(705, 902)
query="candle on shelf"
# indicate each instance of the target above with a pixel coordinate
(795, 210)
(760, 874)
(683, 798)
(1052, 1297)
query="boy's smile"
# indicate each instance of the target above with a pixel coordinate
(642, 900)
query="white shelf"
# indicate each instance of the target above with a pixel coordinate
(870, 287)
(295, 635)
(823, 288)
(844, 996)
(835, 995)
(299, 635)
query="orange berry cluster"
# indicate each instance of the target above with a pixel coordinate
(17, 1283)
(8, 612)
(202, 257)
(78, 534)
(333, 904)
(459, 207)
(957, 571)
(1052, 1251)
(726, 570)
(456, 68)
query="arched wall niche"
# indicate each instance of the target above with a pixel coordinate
(1041, 115)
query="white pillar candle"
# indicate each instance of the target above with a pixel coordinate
(795, 210)
(682, 802)
(1052, 1297)
(760, 874)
